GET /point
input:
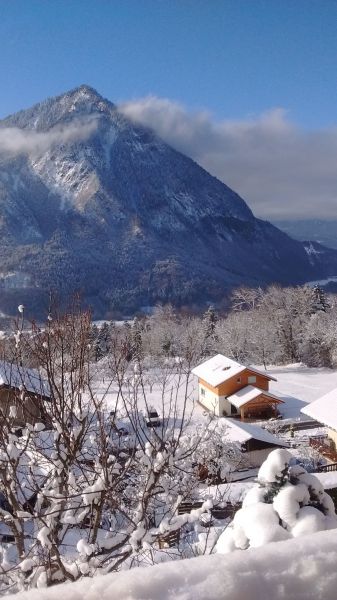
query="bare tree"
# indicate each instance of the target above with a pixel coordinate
(93, 481)
(244, 298)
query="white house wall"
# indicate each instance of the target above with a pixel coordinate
(225, 407)
(214, 403)
(209, 400)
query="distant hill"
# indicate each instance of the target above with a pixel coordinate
(324, 232)
(90, 201)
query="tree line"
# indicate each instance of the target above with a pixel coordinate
(263, 326)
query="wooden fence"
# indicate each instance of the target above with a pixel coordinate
(327, 468)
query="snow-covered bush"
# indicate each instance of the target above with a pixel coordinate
(286, 502)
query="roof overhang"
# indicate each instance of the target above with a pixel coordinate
(253, 395)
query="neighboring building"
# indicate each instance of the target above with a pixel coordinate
(256, 443)
(228, 388)
(324, 410)
(23, 395)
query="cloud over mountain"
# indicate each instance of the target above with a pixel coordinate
(282, 170)
(14, 141)
(123, 217)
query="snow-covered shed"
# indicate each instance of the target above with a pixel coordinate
(324, 410)
(228, 388)
(255, 442)
(23, 393)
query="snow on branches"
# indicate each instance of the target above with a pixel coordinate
(85, 489)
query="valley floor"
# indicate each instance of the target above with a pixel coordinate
(296, 385)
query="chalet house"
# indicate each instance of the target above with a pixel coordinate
(324, 410)
(23, 395)
(255, 442)
(228, 388)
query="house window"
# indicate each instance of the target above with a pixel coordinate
(202, 392)
(238, 380)
(252, 379)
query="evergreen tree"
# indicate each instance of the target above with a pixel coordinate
(103, 341)
(209, 321)
(320, 301)
(137, 342)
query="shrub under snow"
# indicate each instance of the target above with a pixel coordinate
(286, 502)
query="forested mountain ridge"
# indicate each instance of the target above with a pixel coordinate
(90, 201)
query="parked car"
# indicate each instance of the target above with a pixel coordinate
(153, 419)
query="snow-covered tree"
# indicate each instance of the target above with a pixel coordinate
(287, 311)
(233, 336)
(286, 502)
(244, 298)
(88, 489)
(319, 344)
(209, 321)
(320, 301)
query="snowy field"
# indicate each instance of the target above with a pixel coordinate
(297, 569)
(296, 385)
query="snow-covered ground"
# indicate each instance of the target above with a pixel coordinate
(296, 385)
(328, 480)
(163, 390)
(298, 569)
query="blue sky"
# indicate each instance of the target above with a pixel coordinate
(234, 57)
(248, 88)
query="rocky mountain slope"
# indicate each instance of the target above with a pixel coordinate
(89, 201)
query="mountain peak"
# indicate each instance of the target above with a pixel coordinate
(82, 93)
(87, 89)
(126, 218)
(81, 101)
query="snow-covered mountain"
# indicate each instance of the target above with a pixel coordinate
(90, 201)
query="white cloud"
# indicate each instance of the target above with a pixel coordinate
(14, 141)
(281, 170)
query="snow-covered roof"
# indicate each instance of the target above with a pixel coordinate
(21, 377)
(247, 394)
(323, 410)
(236, 431)
(217, 369)
(220, 368)
(232, 492)
(328, 480)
